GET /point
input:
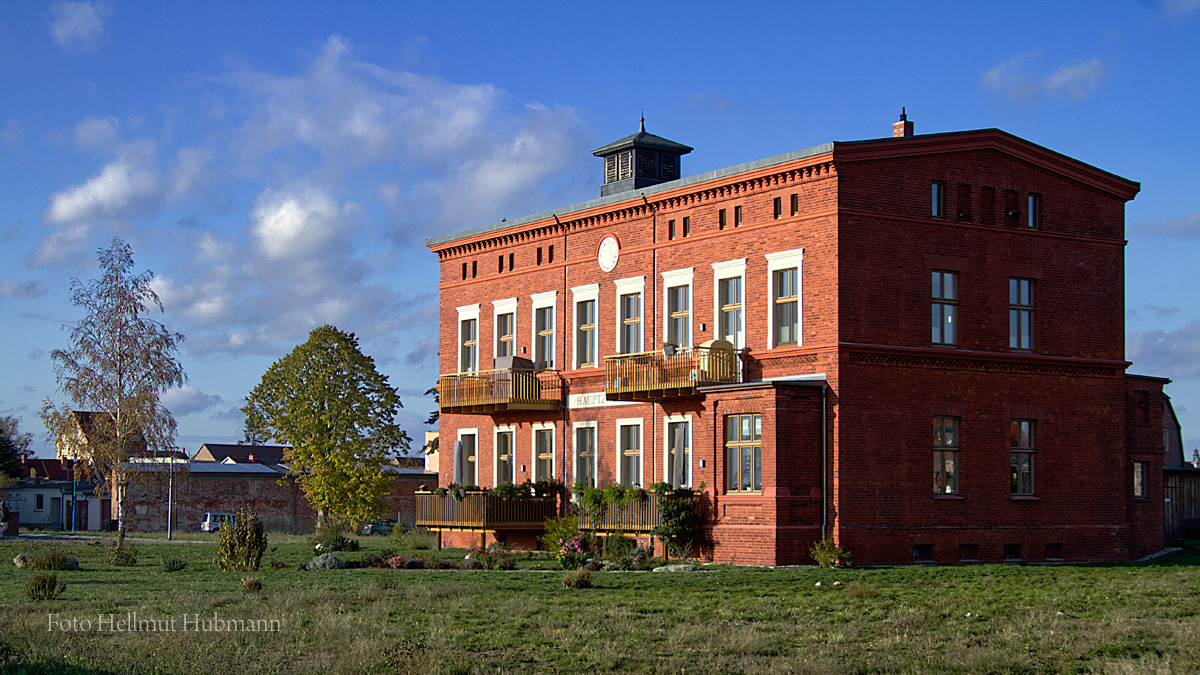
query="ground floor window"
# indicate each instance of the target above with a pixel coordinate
(505, 457)
(743, 453)
(1139, 479)
(469, 449)
(1022, 457)
(679, 453)
(629, 452)
(585, 455)
(543, 453)
(945, 455)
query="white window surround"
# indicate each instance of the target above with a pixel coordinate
(533, 451)
(673, 279)
(625, 287)
(541, 301)
(621, 424)
(595, 427)
(503, 429)
(467, 313)
(782, 260)
(466, 432)
(583, 294)
(675, 418)
(728, 269)
(505, 306)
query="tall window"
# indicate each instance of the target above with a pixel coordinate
(729, 308)
(1035, 211)
(1022, 457)
(1139, 479)
(795, 204)
(687, 226)
(945, 308)
(670, 230)
(1020, 313)
(743, 453)
(629, 452)
(585, 335)
(585, 455)
(737, 216)
(469, 451)
(938, 198)
(679, 307)
(945, 455)
(631, 323)
(678, 447)
(786, 295)
(469, 336)
(506, 464)
(777, 207)
(543, 453)
(721, 219)
(543, 349)
(506, 334)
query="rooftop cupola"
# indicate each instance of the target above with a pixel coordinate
(639, 161)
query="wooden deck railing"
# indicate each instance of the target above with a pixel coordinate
(638, 516)
(655, 375)
(483, 511)
(507, 389)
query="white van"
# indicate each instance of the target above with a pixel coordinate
(212, 521)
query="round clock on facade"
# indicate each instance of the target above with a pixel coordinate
(609, 252)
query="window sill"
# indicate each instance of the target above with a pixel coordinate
(754, 495)
(1026, 498)
(953, 497)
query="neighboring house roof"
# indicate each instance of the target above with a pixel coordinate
(48, 469)
(218, 452)
(90, 425)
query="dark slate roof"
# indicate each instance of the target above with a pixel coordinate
(242, 453)
(642, 139)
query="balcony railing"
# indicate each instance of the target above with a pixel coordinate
(638, 516)
(488, 391)
(653, 376)
(482, 511)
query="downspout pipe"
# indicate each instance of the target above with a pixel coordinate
(824, 459)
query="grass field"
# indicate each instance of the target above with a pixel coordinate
(1127, 618)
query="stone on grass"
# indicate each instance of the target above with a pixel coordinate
(72, 564)
(471, 564)
(682, 567)
(21, 560)
(325, 561)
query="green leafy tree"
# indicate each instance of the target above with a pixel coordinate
(118, 363)
(13, 444)
(327, 401)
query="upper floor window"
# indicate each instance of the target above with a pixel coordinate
(743, 453)
(670, 230)
(1034, 211)
(737, 216)
(468, 338)
(938, 195)
(945, 307)
(1021, 433)
(629, 315)
(945, 455)
(795, 204)
(543, 329)
(777, 208)
(721, 219)
(504, 313)
(687, 226)
(1020, 313)
(730, 300)
(678, 290)
(783, 272)
(585, 339)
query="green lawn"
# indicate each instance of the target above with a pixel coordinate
(1129, 618)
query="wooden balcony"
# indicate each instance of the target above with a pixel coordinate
(487, 391)
(655, 376)
(639, 516)
(482, 511)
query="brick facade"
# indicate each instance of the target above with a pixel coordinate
(855, 221)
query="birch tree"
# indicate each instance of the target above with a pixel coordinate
(326, 400)
(118, 363)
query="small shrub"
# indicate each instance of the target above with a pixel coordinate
(419, 539)
(118, 554)
(242, 544)
(251, 585)
(51, 559)
(173, 563)
(828, 554)
(43, 587)
(508, 491)
(576, 579)
(444, 565)
(396, 562)
(573, 553)
(559, 531)
(277, 564)
(415, 564)
(385, 581)
(331, 539)
(496, 557)
(471, 564)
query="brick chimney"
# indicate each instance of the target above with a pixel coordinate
(903, 128)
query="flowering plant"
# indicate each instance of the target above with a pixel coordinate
(572, 553)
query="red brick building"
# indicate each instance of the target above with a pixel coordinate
(914, 345)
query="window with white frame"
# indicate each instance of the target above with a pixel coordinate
(784, 269)
(468, 338)
(677, 298)
(543, 451)
(743, 453)
(470, 451)
(629, 452)
(506, 455)
(585, 463)
(543, 328)
(629, 314)
(677, 450)
(505, 315)
(729, 315)
(584, 298)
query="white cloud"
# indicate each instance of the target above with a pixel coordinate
(1179, 8)
(96, 132)
(1169, 353)
(125, 183)
(294, 223)
(188, 400)
(1070, 83)
(79, 26)
(12, 133)
(11, 288)
(1187, 227)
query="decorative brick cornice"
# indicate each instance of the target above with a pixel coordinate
(852, 354)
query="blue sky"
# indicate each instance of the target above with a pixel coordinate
(279, 164)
